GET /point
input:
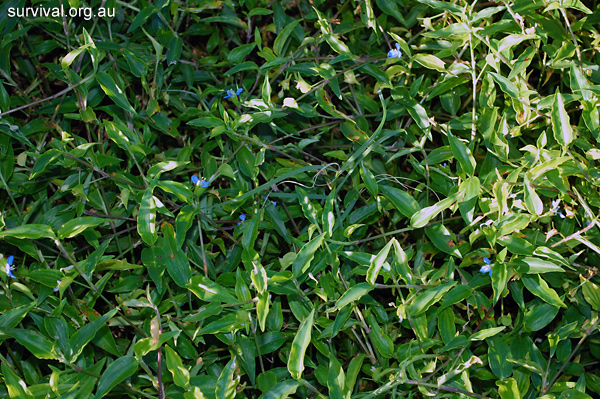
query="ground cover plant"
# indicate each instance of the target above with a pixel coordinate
(304, 199)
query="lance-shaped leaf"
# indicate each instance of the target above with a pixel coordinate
(86, 333)
(33, 231)
(78, 225)
(113, 91)
(401, 200)
(538, 287)
(181, 375)
(463, 155)
(146, 220)
(306, 255)
(116, 372)
(532, 200)
(378, 262)
(561, 125)
(227, 381)
(423, 217)
(353, 294)
(299, 346)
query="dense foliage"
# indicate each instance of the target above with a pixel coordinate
(342, 199)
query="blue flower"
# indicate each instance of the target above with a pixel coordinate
(395, 52)
(231, 93)
(487, 268)
(274, 202)
(9, 266)
(202, 183)
(242, 218)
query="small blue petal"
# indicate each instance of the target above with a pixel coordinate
(561, 215)
(485, 269)
(195, 180)
(274, 203)
(395, 52)
(239, 91)
(204, 184)
(486, 260)
(490, 273)
(9, 266)
(238, 223)
(242, 217)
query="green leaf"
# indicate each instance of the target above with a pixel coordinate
(251, 231)
(278, 223)
(299, 345)
(78, 225)
(591, 293)
(532, 200)
(176, 261)
(353, 294)
(463, 154)
(516, 245)
(421, 218)
(538, 287)
(86, 333)
(262, 309)
(282, 39)
(533, 265)
(401, 200)
(72, 56)
(539, 316)
(506, 85)
(497, 358)
(227, 382)
(209, 291)
(306, 255)
(307, 207)
(378, 261)
(336, 379)
(114, 92)
(115, 373)
(499, 280)
(508, 389)
(35, 342)
(328, 215)
(146, 220)
(369, 180)
(33, 231)
(43, 161)
(141, 17)
(150, 344)
(486, 333)
(382, 342)
(16, 386)
(172, 187)
(430, 61)
(428, 298)
(467, 203)
(181, 375)
(12, 317)
(443, 239)
(561, 124)
(446, 325)
(282, 390)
